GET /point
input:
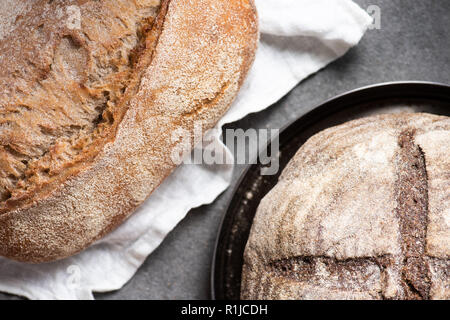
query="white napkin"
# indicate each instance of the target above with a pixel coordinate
(298, 37)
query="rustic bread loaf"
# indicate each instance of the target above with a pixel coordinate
(91, 92)
(362, 211)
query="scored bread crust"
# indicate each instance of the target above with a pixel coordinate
(351, 218)
(202, 54)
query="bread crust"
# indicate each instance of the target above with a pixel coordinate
(358, 213)
(202, 55)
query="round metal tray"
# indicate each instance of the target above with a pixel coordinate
(252, 187)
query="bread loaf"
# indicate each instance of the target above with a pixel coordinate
(91, 92)
(362, 211)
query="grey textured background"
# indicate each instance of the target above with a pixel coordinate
(412, 44)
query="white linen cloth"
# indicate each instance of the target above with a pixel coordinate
(298, 37)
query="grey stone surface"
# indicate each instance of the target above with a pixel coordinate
(412, 44)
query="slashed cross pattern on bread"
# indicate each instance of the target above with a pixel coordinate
(91, 92)
(361, 212)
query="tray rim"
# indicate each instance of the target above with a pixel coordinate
(423, 88)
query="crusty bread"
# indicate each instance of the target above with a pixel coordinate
(87, 112)
(362, 211)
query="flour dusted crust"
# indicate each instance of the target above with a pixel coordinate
(159, 66)
(362, 211)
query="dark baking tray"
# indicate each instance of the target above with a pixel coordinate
(252, 187)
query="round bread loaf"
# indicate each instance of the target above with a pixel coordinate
(362, 211)
(91, 92)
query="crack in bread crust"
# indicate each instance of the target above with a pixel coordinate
(412, 212)
(358, 274)
(62, 116)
